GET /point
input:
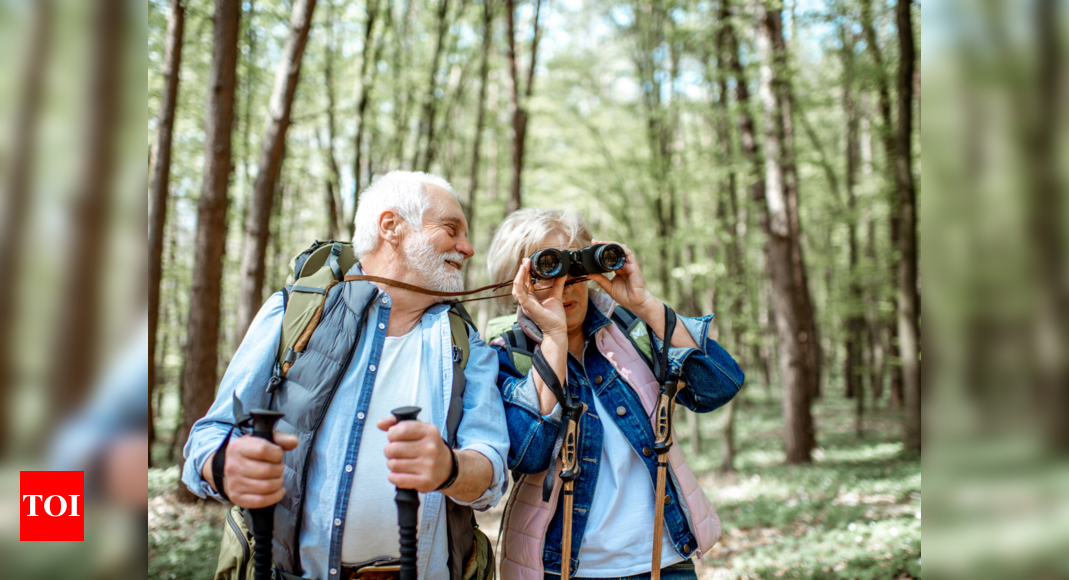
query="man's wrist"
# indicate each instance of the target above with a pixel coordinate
(453, 472)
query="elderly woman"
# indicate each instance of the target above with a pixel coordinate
(585, 337)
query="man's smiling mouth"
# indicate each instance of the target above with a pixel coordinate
(454, 264)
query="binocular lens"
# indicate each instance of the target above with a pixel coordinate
(547, 264)
(611, 257)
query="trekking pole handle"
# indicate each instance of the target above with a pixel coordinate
(570, 467)
(263, 519)
(407, 511)
(662, 429)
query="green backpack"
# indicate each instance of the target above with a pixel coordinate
(313, 273)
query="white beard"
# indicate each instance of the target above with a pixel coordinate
(430, 266)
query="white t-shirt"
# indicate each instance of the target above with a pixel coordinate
(371, 529)
(619, 533)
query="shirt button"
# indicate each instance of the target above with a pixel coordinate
(381, 326)
(348, 469)
(621, 411)
(337, 522)
(597, 380)
(646, 451)
(333, 571)
(686, 547)
(668, 500)
(360, 416)
(385, 300)
(371, 368)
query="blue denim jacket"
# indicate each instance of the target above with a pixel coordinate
(329, 479)
(712, 379)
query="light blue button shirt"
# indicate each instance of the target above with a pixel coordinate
(482, 429)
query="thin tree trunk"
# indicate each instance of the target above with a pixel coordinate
(908, 300)
(873, 320)
(421, 156)
(727, 444)
(202, 337)
(405, 108)
(480, 126)
(887, 135)
(157, 212)
(855, 322)
(250, 296)
(333, 182)
(17, 194)
(79, 324)
(519, 107)
(793, 319)
(368, 72)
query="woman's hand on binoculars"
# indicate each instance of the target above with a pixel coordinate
(628, 286)
(548, 311)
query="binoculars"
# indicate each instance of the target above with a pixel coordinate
(597, 259)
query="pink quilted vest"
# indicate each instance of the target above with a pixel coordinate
(527, 517)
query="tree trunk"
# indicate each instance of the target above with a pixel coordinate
(518, 107)
(727, 444)
(15, 205)
(786, 269)
(855, 322)
(367, 81)
(202, 337)
(161, 173)
(79, 323)
(908, 307)
(420, 157)
(480, 126)
(887, 135)
(333, 182)
(250, 296)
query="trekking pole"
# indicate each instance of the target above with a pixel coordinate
(263, 519)
(567, 475)
(407, 510)
(662, 436)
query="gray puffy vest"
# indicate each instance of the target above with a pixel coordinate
(305, 395)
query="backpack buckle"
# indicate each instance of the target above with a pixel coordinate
(273, 383)
(458, 355)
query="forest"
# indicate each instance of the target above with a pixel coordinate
(762, 158)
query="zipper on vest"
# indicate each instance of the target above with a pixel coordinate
(241, 540)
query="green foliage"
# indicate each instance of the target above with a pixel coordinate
(853, 513)
(183, 540)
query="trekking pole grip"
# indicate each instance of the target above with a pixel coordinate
(407, 510)
(263, 519)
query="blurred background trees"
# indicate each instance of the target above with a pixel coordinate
(759, 157)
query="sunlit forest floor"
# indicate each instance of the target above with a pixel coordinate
(854, 513)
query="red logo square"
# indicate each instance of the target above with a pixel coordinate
(52, 506)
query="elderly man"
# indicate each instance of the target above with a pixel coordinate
(337, 510)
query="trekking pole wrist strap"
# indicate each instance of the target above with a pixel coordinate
(219, 466)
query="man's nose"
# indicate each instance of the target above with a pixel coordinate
(464, 247)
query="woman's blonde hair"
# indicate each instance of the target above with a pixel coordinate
(522, 234)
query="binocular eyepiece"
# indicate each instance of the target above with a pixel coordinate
(597, 259)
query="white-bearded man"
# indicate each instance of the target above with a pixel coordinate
(410, 228)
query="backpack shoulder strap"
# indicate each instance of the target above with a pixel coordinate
(635, 330)
(459, 327)
(520, 348)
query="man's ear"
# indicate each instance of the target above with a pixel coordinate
(391, 228)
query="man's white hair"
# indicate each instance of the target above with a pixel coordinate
(400, 191)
